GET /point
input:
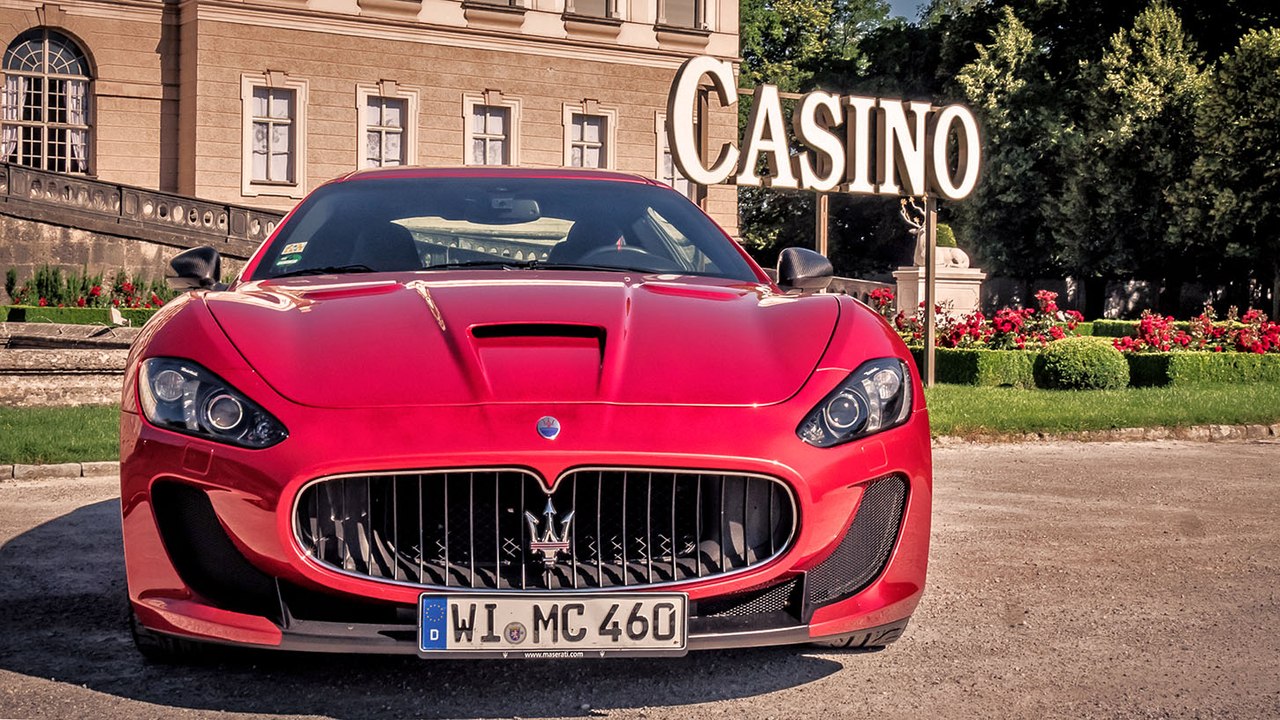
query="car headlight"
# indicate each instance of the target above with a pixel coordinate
(180, 395)
(875, 397)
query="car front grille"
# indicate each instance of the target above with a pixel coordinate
(500, 529)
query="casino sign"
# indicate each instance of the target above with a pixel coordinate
(847, 143)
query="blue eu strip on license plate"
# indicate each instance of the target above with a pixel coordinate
(551, 625)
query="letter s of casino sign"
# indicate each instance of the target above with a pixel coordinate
(909, 156)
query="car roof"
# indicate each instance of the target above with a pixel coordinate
(491, 171)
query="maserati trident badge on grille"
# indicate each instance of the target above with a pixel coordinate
(548, 427)
(548, 543)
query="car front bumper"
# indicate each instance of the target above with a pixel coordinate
(250, 494)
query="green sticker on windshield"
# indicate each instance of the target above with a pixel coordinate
(288, 259)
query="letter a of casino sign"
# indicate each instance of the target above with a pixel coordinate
(887, 147)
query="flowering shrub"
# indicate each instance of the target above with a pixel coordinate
(49, 287)
(1252, 332)
(882, 302)
(1009, 328)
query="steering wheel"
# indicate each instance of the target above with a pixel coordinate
(628, 257)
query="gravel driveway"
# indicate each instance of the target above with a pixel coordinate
(1067, 580)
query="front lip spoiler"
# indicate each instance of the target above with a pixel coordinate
(355, 638)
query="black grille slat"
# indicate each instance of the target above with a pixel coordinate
(648, 527)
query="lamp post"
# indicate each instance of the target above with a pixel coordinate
(930, 275)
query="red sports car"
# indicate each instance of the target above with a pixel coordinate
(518, 413)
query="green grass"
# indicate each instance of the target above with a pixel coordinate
(86, 434)
(966, 410)
(59, 434)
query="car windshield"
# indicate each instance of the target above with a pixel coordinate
(410, 224)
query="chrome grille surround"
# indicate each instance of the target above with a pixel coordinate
(631, 527)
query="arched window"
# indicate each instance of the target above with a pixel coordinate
(45, 115)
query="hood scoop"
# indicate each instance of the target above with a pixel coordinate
(538, 330)
(527, 362)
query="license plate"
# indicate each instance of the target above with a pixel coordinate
(550, 625)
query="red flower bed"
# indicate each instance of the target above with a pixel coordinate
(1022, 328)
(1008, 329)
(1252, 332)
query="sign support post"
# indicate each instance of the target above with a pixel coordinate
(930, 300)
(820, 223)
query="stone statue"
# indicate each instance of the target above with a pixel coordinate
(914, 216)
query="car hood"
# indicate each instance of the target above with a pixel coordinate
(427, 339)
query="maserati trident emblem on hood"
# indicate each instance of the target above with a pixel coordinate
(548, 543)
(548, 427)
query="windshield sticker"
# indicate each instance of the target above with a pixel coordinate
(288, 260)
(292, 248)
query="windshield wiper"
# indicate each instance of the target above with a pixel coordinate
(496, 262)
(327, 270)
(535, 264)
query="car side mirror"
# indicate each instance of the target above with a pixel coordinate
(804, 270)
(196, 269)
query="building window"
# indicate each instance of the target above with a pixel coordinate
(586, 141)
(45, 115)
(682, 13)
(274, 135)
(384, 133)
(492, 129)
(589, 135)
(387, 125)
(667, 171)
(592, 8)
(490, 142)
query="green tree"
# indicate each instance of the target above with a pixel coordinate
(1007, 87)
(1233, 199)
(1134, 145)
(789, 43)
(784, 40)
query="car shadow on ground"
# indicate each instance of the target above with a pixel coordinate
(64, 620)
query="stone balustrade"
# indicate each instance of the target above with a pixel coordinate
(126, 211)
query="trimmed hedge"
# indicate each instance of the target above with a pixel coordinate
(1115, 328)
(1192, 368)
(994, 368)
(1085, 329)
(137, 317)
(1081, 363)
(1129, 328)
(1016, 368)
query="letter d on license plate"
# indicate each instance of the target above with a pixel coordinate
(550, 625)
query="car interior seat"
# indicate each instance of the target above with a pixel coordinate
(386, 247)
(587, 234)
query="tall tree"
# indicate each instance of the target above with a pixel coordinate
(1233, 203)
(790, 43)
(1008, 89)
(784, 40)
(1134, 145)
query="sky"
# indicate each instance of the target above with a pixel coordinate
(906, 8)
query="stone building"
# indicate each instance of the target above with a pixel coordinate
(254, 103)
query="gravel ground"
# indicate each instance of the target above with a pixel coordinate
(1067, 580)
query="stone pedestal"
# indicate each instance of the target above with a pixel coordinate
(961, 286)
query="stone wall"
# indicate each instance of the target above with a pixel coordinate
(45, 378)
